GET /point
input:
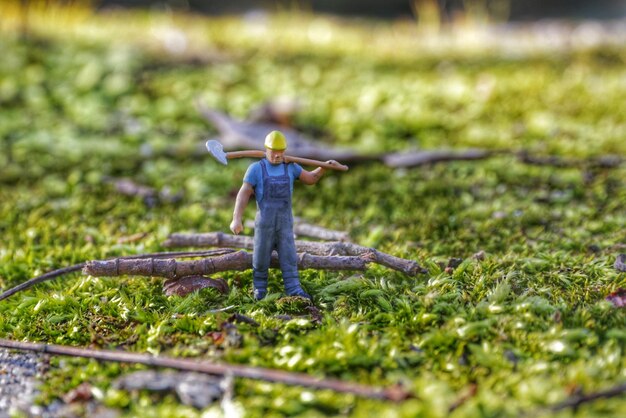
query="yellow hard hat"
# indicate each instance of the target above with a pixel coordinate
(276, 141)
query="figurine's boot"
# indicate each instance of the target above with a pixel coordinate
(259, 279)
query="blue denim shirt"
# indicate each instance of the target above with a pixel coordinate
(254, 175)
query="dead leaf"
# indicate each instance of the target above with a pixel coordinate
(454, 262)
(188, 284)
(237, 317)
(618, 298)
(81, 393)
(217, 337)
(480, 255)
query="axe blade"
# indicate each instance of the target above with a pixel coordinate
(216, 150)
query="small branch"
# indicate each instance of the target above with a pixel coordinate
(576, 401)
(604, 161)
(241, 260)
(40, 279)
(469, 394)
(235, 134)
(219, 239)
(393, 393)
(149, 195)
(301, 228)
(77, 267)
(414, 159)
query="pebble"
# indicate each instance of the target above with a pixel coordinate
(19, 373)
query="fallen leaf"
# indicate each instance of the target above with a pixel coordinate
(237, 317)
(188, 284)
(618, 298)
(81, 393)
(454, 262)
(480, 255)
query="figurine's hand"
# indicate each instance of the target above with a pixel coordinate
(236, 226)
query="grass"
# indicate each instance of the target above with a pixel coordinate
(523, 328)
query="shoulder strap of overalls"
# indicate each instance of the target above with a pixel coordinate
(264, 169)
(266, 174)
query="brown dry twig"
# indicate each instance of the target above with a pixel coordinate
(236, 134)
(425, 157)
(240, 260)
(576, 401)
(393, 393)
(149, 195)
(604, 161)
(77, 267)
(219, 239)
(305, 229)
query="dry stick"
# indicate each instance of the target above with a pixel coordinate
(313, 231)
(240, 260)
(219, 239)
(393, 393)
(576, 401)
(235, 134)
(603, 161)
(418, 158)
(66, 270)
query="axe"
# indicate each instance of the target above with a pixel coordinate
(216, 149)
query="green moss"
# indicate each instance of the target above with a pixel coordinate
(526, 323)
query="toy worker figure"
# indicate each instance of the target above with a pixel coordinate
(271, 181)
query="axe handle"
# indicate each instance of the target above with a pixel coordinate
(288, 158)
(316, 163)
(245, 154)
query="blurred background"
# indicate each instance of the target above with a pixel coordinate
(515, 10)
(105, 107)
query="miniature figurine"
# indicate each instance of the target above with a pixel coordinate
(271, 181)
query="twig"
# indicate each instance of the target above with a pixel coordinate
(301, 228)
(227, 308)
(393, 393)
(149, 195)
(240, 260)
(418, 158)
(604, 161)
(469, 394)
(576, 401)
(77, 267)
(219, 239)
(236, 134)
(40, 279)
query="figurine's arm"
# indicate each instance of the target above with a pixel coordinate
(240, 205)
(312, 177)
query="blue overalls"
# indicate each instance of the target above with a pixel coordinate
(273, 230)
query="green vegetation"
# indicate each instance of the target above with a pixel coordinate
(525, 327)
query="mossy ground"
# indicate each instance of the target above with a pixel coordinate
(524, 327)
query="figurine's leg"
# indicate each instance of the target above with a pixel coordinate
(264, 242)
(288, 259)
